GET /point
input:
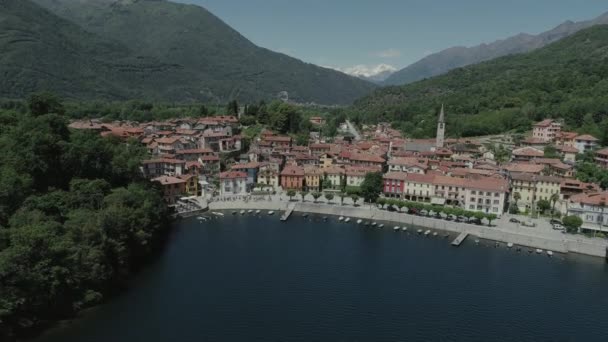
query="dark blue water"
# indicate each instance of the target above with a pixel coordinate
(259, 279)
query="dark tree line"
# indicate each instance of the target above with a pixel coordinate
(76, 218)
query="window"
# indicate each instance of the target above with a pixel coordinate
(473, 193)
(472, 207)
(495, 209)
(496, 201)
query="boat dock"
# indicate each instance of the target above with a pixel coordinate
(459, 239)
(288, 212)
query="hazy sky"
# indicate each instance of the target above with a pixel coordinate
(346, 33)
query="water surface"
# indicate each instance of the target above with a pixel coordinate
(259, 279)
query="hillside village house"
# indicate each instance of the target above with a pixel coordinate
(601, 158)
(408, 164)
(163, 167)
(269, 177)
(586, 142)
(568, 153)
(592, 209)
(233, 183)
(526, 154)
(355, 175)
(487, 195)
(251, 169)
(173, 188)
(546, 130)
(566, 139)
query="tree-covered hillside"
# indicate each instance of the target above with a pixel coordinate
(567, 79)
(76, 217)
(152, 50)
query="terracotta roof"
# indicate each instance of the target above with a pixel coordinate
(528, 152)
(210, 158)
(597, 198)
(489, 184)
(292, 170)
(567, 149)
(166, 180)
(602, 151)
(544, 123)
(586, 137)
(233, 175)
(528, 177)
(366, 157)
(524, 167)
(168, 140)
(278, 138)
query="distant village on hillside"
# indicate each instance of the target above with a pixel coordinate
(207, 157)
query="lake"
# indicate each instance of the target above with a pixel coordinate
(243, 278)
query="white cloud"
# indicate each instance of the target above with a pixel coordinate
(367, 71)
(388, 53)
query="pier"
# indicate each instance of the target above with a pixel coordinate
(288, 212)
(459, 239)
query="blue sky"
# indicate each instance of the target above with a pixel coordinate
(346, 33)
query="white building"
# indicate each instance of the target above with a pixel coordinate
(585, 142)
(233, 183)
(592, 209)
(487, 195)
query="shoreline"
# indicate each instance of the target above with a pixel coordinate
(568, 244)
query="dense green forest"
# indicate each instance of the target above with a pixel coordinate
(76, 218)
(567, 79)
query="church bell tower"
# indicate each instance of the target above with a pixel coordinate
(440, 130)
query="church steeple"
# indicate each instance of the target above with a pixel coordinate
(440, 129)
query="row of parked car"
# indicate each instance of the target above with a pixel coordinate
(463, 219)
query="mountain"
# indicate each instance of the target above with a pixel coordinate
(455, 57)
(566, 79)
(149, 49)
(43, 52)
(376, 74)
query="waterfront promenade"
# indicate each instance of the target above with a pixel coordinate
(502, 230)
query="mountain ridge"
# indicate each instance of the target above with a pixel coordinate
(459, 56)
(565, 79)
(167, 52)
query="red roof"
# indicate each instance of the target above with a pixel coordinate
(166, 180)
(292, 170)
(586, 137)
(233, 175)
(596, 199)
(164, 160)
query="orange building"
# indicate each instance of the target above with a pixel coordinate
(292, 177)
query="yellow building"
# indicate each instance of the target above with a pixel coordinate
(269, 177)
(312, 178)
(192, 186)
(532, 188)
(325, 160)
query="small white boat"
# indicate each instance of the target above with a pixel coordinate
(271, 212)
(347, 219)
(257, 211)
(434, 233)
(404, 229)
(242, 212)
(373, 224)
(217, 213)
(477, 242)
(341, 218)
(419, 231)
(380, 225)
(538, 251)
(510, 245)
(427, 233)
(549, 253)
(200, 218)
(359, 221)
(396, 228)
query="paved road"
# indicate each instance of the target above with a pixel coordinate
(353, 130)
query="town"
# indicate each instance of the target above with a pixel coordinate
(195, 160)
